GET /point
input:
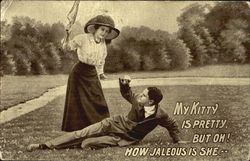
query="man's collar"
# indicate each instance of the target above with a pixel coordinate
(149, 107)
(149, 110)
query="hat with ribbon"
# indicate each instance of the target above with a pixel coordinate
(102, 20)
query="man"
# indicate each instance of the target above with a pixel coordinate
(144, 115)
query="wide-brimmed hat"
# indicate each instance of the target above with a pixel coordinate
(102, 20)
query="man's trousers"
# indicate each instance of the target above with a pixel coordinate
(98, 135)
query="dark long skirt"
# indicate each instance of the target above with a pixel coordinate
(85, 103)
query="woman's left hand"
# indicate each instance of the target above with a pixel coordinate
(103, 76)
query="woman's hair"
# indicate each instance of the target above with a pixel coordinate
(96, 26)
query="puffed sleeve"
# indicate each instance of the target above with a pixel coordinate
(100, 68)
(77, 41)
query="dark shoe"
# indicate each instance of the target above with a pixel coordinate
(32, 147)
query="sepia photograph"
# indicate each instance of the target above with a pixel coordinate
(125, 80)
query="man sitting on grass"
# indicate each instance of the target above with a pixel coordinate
(144, 116)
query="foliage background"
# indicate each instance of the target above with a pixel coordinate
(207, 35)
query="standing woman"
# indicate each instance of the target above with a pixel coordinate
(85, 103)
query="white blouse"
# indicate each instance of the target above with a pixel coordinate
(90, 52)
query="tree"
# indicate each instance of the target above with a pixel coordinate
(35, 47)
(162, 60)
(114, 61)
(23, 64)
(147, 63)
(218, 17)
(5, 31)
(229, 25)
(52, 60)
(131, 60)
(194, 43)
(179, 54)
(191, 19)
(7, 63)
(232, 40)
(208, 42)
(130, 55)
(57, 32)
(141, 34)
(193, 14)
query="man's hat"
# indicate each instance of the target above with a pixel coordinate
(102, 20)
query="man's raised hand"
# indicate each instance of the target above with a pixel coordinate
(125, 80)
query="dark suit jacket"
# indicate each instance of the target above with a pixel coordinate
(134, 127)
(145, 125)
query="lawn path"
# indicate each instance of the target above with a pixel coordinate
(36, 103)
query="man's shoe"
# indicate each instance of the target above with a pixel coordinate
(32, 147)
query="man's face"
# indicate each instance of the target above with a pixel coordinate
(102, 32)
(143, 98)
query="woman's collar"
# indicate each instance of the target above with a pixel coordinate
(92, 39)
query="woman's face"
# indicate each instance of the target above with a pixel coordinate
(102, 32)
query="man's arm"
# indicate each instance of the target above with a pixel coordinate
(77, 42)
(126, 91)
(100, 68)
(171, 126)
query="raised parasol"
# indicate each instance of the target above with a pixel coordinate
(71, 18)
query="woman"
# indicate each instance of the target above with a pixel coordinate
(85, 103)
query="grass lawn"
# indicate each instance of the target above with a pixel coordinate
(44, 124)
(205, 71)
(18, 89)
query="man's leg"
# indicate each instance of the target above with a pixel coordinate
(96, 129)
(100, 142)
